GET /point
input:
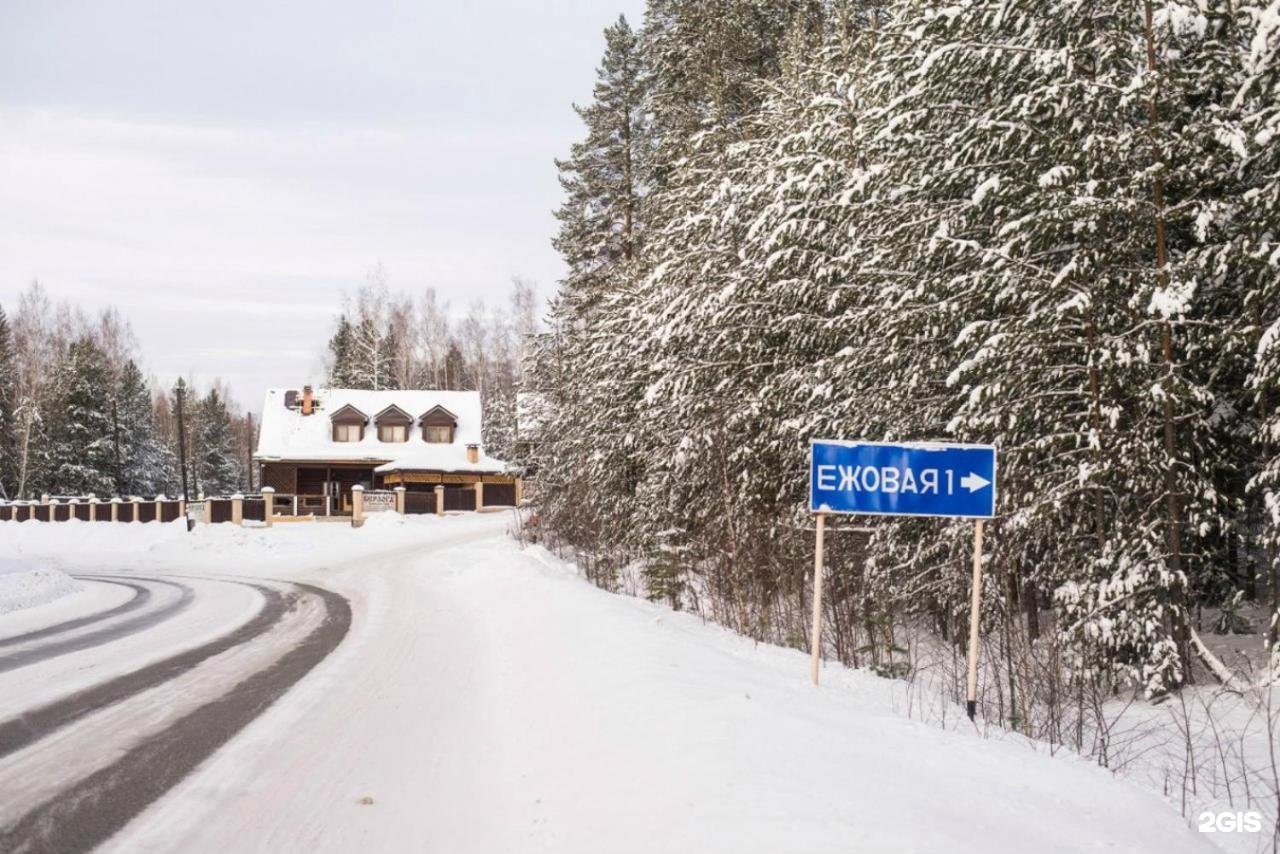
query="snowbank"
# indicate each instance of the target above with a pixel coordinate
(80, 545)
(24, 586)
(101, 546)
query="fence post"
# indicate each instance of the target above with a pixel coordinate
(268, 504)
(137, 508)
(93, 508)
(73, 504)
(479, 495)
(208, 510)
(440, 499)
(160, 508)
(182, 509)
(237, 509)
(44, 499)
(400, 500)
(357, 506)
(519, 491)
(115, 509)
(54, 504)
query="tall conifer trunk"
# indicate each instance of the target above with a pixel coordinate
(1173, 509)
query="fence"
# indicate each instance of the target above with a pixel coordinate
(255, 510)
(92, 510)
(290, 504)
(459, 498)
(252, 508)
(499, 495)
(218, 510)
(417, 503)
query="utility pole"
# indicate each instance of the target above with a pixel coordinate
(249, 450)
(115, 444)
(180, 392)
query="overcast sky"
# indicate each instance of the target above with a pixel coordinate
(222, 171)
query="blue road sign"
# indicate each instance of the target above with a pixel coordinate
(907, 479)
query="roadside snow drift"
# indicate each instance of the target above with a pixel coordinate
(22, 585)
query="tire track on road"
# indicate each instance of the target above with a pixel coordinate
(141, 595)
(31, 726)
(78, 642)
(90, 811)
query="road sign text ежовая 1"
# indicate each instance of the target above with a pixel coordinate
(907, 479)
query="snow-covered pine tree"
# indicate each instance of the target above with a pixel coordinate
(1043, 308)
(340, 359)
(610, 435)
(600, 220)
(147, 465)
(455, 367)
(700, 352)
(182, 401)
(373, 350)
(1255, 254)
(600, 237)
(706, 59)
(79, 458)
(219, 471)
(8, 413)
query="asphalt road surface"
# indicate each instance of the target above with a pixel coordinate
(102, 714)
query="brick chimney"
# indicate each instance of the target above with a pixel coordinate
(308, 405)
(473, 454)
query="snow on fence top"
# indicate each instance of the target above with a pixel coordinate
(288, 434)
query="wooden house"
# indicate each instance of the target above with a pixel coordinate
(316, 444)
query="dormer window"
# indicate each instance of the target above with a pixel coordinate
(348, 424)
(393, 424)
(348, 432)
(438, 425)
(393, 432)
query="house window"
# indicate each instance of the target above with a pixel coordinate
(393, 433)
(438, 433)
(348, 432)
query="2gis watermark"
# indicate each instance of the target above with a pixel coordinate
(1229, 822)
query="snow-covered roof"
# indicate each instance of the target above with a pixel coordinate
(430, 457)
(286, 434)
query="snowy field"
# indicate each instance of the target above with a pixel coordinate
(487, 699)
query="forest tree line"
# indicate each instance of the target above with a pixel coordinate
(1048, 226)
(78, 416)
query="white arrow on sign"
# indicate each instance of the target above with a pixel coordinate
(974, 482)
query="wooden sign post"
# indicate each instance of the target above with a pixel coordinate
(817, 599)
(975, 604)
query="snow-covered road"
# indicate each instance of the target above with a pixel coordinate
(482, 699)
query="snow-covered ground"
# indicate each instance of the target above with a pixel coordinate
(487, 699)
